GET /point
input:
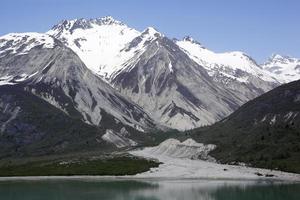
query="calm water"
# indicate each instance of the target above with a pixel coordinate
(146, 190)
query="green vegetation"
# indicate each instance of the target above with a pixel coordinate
(264, 132)
(262, 146)
(124, 165)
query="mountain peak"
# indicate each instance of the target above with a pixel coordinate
(277, 58)
(188, 38)
(107, 20)
(152, 32)
(284, 68)
(82, 23)
(191, 40)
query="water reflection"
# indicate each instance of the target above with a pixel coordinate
(146, 190)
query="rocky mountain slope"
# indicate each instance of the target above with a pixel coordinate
(178, 92)
(264, 132)
(56, 74)
(43, 67)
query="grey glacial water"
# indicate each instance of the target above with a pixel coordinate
(147, 189)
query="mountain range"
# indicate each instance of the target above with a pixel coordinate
(117, 53)
(122, 84)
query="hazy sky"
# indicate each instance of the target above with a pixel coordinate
(257, 27)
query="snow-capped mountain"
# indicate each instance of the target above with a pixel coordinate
(284, 68)
(121, 56)
(105, 45)
(177, 91)
(180, 84)
(100, 43)
(48, 69)
(235, 70)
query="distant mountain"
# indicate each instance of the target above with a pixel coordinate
(264, 132)
(234, 70)
(284, 68)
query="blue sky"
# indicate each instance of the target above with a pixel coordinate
(257, 27)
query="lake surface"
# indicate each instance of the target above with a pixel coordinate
(146, 190)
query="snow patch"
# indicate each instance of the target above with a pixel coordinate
(24, 77)
(288, 116)
(12, 80)
(22, 43)
(224, 62)
(5, 80)
(273, 120)
(263, 119)
(170, 67)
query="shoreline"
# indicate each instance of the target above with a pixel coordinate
(180, 168)
(144, 178)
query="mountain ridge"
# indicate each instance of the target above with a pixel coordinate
(112, 51)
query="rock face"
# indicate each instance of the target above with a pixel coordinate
(263, 132)
(173, 88)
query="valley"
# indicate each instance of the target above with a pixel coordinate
(97, 88)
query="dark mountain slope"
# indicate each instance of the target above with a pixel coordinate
(32, 127)
(264, 132)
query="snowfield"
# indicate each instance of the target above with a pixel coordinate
(103, 44)
(13, 43)
(224, 63)
(285, 68)
(175, 165)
